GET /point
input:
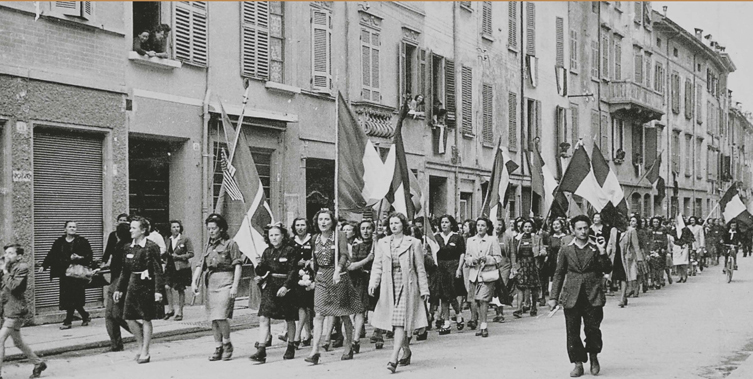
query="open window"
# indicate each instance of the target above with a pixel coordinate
(408, 71)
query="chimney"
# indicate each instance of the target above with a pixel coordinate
(664, 9)
(698, 33)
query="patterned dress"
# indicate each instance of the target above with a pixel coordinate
(398, 309)
(332, 299)
(360, 277)
(528, 274)
(659, 242)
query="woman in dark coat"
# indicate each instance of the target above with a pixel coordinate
(362, 257)
(304, 290)
(446, 283)
(67, 250)
(142, 284)
(278, 274)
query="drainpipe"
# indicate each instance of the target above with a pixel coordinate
(522, 102)
(695, 136)
(455, 56)
(205, 162)
(670, 133)
(598, 83)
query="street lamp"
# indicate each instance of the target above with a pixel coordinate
(588, 95)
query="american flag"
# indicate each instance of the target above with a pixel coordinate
(228, 178)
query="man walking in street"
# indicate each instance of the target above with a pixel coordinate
(580, 267)
(113, 258)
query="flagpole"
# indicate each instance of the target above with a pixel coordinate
(712, 212)
(626, 196)
(337, 176)
(239, 129)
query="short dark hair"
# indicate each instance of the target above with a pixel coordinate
(579, 218)
(365, 221)
(489, 225)
(180, 223)
(123, 215)
(403, 220)
(283, 231)
(453, 222)
(19, 249)
(471, 226)
(220, 222)
(529, 221)
(331, 214)
(295, 221)
(637, 218)
(143, 223)
(68, 222)
(162, 27)
(416, 233)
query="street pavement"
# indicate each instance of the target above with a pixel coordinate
(699, 329)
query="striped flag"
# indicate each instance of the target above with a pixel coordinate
(499, 183)
(733, 208)
(542, 179)
(615, 212)
(247, 211)
(580, 180)
(228, 178)
(399, 194)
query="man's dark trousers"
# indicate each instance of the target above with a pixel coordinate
(114, 318)
(591, 317)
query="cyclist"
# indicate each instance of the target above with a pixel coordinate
(732, 237)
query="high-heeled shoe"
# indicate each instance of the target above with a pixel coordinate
(405, 360)
(422, 336)
(356, 347)
(297, 344)
(307, 341)
(144, 360)
(460, 323)
(326, 346)
(314, 359)
(392, 366)
(348, 355)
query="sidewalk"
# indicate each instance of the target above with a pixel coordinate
(48, 339)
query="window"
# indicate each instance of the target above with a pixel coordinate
(651, 147)
(689, 99)
(573, 50)
(259, 49)
(605, 55)
(560, 40)
(595, 60)
(466, 75)
(564, 134)
(512, 121)
(637, 144)
(618, 136)
(487, 96)
(638, 67)
(698, 158)
(486, 18)
(370, 65)
(262, 161)
(574, 122)
(146, 15)
(699, 103)
(321, 50)
(659, 77)
(530, 28)
(595, 6)
(80, 9)
(675, 52)
(675, 92)
(533, 124)
(637, 12)
(688, 154)
(409, 69)
(191, 32)
(617, 58)
(512, 25)
(658, 42)
(647, 14)
(676, 152)
(647, 71)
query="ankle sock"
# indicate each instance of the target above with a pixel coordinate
(225, 341)
(483, 325)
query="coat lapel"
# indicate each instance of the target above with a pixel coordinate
(404, 246)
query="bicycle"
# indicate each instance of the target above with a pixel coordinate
(730, 255)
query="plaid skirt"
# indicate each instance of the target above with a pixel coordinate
(398, 309)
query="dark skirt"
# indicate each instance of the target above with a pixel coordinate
(332, 299)
(275, 307)
(618, 270)
(658, 263)
(550, 266)
(528, 274)
(139, 299)
(360, 281)
(178, 279)
(443, 285)
(72, 293)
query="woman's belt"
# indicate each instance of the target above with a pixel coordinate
(212, 270)
(144, 275)
(282, 276)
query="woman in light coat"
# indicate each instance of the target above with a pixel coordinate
(623, 249)
(483, 255)
(398, 271)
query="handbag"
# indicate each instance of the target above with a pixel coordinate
(78, 271)
(488, 276)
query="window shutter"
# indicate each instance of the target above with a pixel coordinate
(647, 72)
(512, 121)
(605, 144)
(487, 98)
(255, 39)
(573, 50)
(87, 10)
(467, 96)
(559, 129)
(637, 142)
(560, 35)
(401, 85)
(531, 28)
(575, 124)
(688, 99)
(191, 32)
(376, 94)
(652, 148)
(449, 75)
(486, 18)
(617, 58)
(321, 44)
(537, 123)
(638, 67)
(422, 56)
(699, 103)
(68, 8)
(595, 129)
(370, 65)
(675, 93)
(595, 59)
(638, 12)
(512, 25)
(605, 56)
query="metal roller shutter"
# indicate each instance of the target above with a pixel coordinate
(67, 186)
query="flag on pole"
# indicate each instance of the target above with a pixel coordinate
(362, 173)
(653, 171)
(616, 211)
(499, 184)
(242, 200)
(399, 193)
(542, 179)
(679, 225)
(733, 208)
(579, 179)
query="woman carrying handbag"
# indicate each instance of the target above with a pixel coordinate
(482, 255)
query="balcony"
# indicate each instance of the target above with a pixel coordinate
(629, 100)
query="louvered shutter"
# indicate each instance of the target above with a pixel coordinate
(467, 97)
(617, 58)
(321, 32)
(512, 25)
(422, 56)
(675, 93)
(560, 36)
(428, 84)
(637, 12)
(486, 18)
(637, 142)
(255, 39)
(689, 105)
(530, 28)
(512, 121)
(638, 67)
(449, 75)
(699, 103)
(575, 124)
(191, 32)
(68, 8)
(370, 65)
(66, 189)
(595, 59)
(487, 98)
(605, 144)
(605, 56)
(573, 50)
(376, 94)
(595, 129)
(651, 148)
(87, 10)
(647, 71)
(401, 84)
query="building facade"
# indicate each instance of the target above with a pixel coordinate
(91, 128)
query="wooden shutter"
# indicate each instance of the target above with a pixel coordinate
(255, 39)
(487, 96)
(370, 65)
(647, 71)
(675, 93)
(637, 12)
(573, 50)
(512, 25)
(676, 152)
(651, 149)
(422, 57)
(617, 58)
(530, 28)
(638, 68)
(401, 85)
(575, 124)
(605, 55)
(560, 41)
(689, 104)
(191, 32)
(321, 50)
(595, 59)
(486, 18)
(595, 129)
(87, 10)
(428, 85)
(699, 103)
(605, 143)
(512, 121)
(68, 8)
(66, 189)
(467, 98)
(449, 77)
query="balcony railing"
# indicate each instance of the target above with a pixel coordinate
(633, 98)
